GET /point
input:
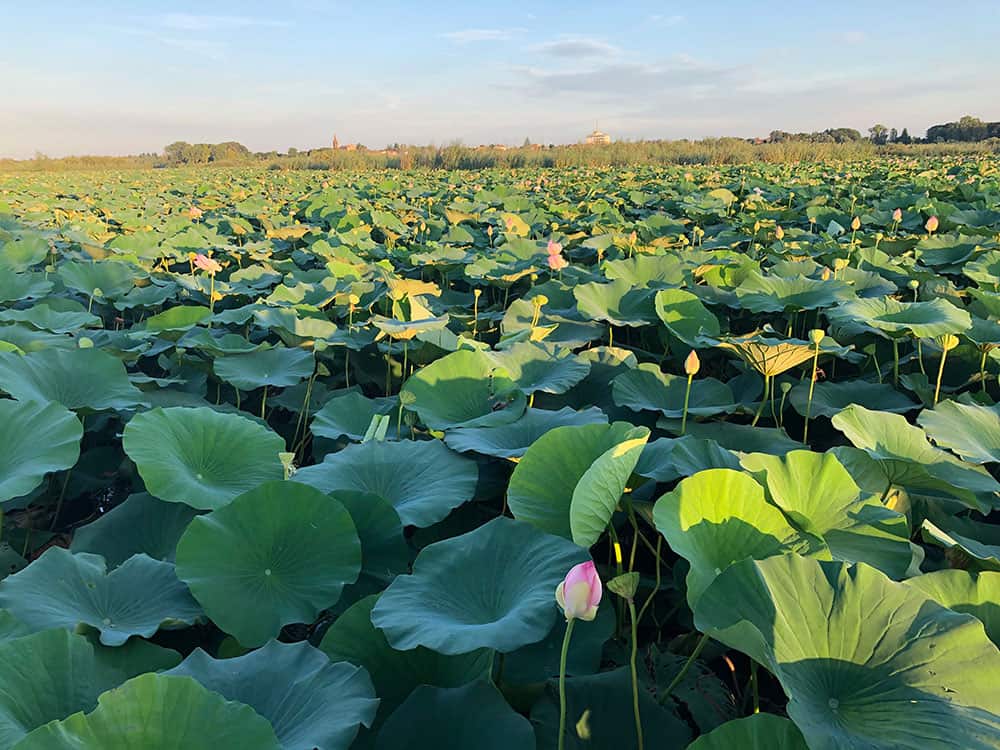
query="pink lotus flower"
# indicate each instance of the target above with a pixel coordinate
(897, 215)
(557, 262)
(206, 264)
(580, 592)
(932, 224)
(553, 248)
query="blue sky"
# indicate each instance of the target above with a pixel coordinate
(126, 77)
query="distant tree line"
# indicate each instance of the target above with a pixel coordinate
(965, 130)
(830, 135)
(181, 152)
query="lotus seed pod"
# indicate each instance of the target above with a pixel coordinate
(320, 345)
(540, 300)
(913, 284)
(85, 343)
(879, 236)
(354, 299)
(785, 387)
(692, 364)
(477, 293)
(816, 336)
(840, 264)
(948, 342)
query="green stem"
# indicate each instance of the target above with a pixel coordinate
(920, 356)
(763, 400)
(59, 502)
(562, 684)
(635, 674)
(937, 387)
(684, 670)
(687, 395)
(211, 298)
(895, 361)
(809, 401)
(982, 371)
(263, 403)
(753, 687)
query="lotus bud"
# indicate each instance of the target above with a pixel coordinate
(948, 342)
(879, 236)
(477, 293)
(540, 300)
(489, 230)
(579, 593)
(816, 336)
(855, 223)
(354, 299)
(812, 219)
(932, 224)
(779, 233)
(692, 364)
(756, 227)
(839, 264)
(897, 215)
(825, 276)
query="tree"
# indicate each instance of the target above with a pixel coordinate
(904, 137)
(878, 133)
(527, 143)
(893, 135)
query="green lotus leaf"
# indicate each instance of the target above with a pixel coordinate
(463, 389)
(946, 249)
(513, 440)
(971, 431)
(185, 455)
(48, 316)
(140, 525)
(49, 675)
(21, 286)
(976, 594)
(685, 316)
(772, 356)
(23, 251)
(907, 459)
(441, 605)
(423, 480)
(76, 378)
(893, 319)
(157, 712)
(279, 367)
(979, 541)
(832, 397)
(537, 366)
(350, 414)
(64, 590)
(395, 674)
(384, 552)
(180, 318)
(570, 480)
(284, 546)
(718, 517)
(474, 715)
(608, 699)
(755, 732)
(35, 438)
(668, 459)
(647, 388)
(617, 303)
(741, 438)
(310, 702)
(819, 496)
(114, 279)
(912, 674)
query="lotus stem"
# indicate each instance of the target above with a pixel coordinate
(982, 370)
(347, 368)
(684, 670)
(940, 374)
(763, 400)
(895, 362)
(687, 396)
(305, 408)
(562, 683)
(263, 403)
(809, 400)
(635, 674)
(920, 356)
(211, 298)
(754, 689)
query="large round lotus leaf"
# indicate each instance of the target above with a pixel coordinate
(279, 367)
(976, 594)
(513, 440)
(75, 378)
(21, 286)
(755, 732)
(473, 716)
(911, 674)
(971, 431)
(772, 356)
(980, 542)
(286, 547)
(740, 437)
(140, 525)
(21, 253)
(463, 389)
(113, 279)
(423, 480)
(50, 675)
(158, 712)
(63, 590)
(535, 366)
(384, 551)
(609, 724)
(896, 319)
(646, 388)
(830, 397)
(820, 497)
(180, 318)
(201, 457)
(50, 316)
(35, 438)
(350, 414)
(490, 588)
(717, 517)
(617, 303)
(905, 456)
(395, 674)
(310, 702)
(685, 316)
(570, 480)
(769, 294)
(668, 459)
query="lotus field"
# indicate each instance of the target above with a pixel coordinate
(680, 457)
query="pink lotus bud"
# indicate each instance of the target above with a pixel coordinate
(557, 262)
(580, 592)
(932, 224)
(856, 223)
(692, 364)
(194, 212)
(553, 248)
(779, 233)
(897, 215)
(207, 264)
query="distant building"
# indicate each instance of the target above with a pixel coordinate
(597, 138)
(336, 143)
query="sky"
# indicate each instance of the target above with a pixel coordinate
(128, 77)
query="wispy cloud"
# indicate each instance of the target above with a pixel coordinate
(852, 37)
(205, 22)
(666, 20)
(467, 36)
(576, 48)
